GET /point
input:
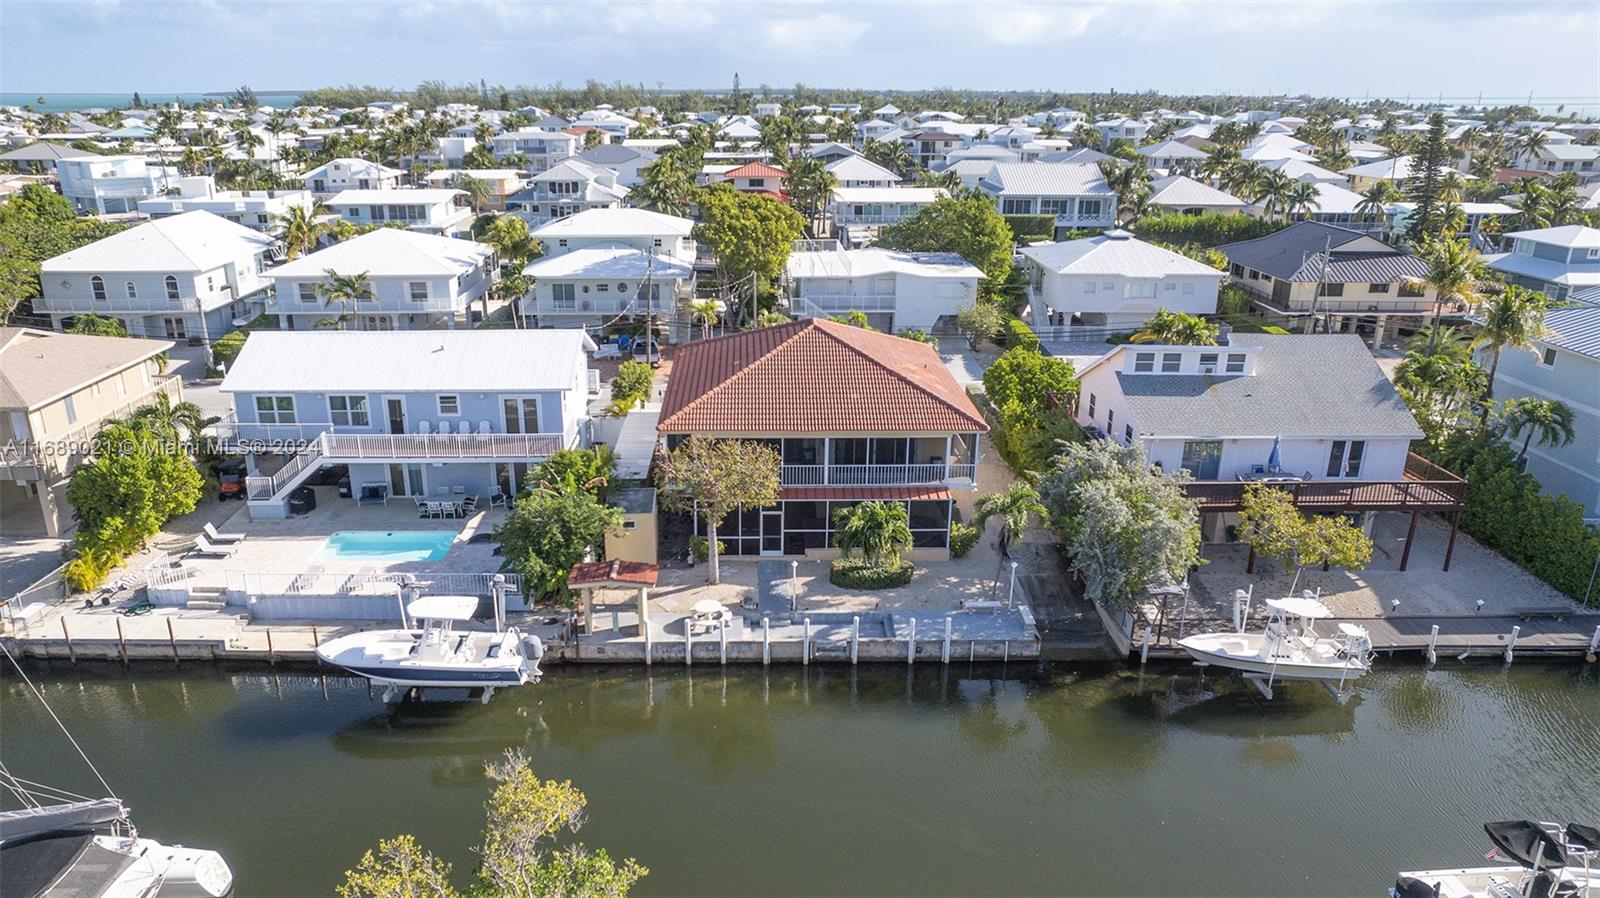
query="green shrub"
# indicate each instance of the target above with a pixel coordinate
(631, 387)
(919, 335)
(1018, 333)
(857, 573)
(1204, 229)
(1272, 329)
(962, 538)
(1028, 228)
(227, 347)
(1233, 299)
(700, 547)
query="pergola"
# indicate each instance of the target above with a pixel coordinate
(588, 576)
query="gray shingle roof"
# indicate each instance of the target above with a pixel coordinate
(1295, 254)
(1311, 385)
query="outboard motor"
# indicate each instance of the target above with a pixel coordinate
(533, 650)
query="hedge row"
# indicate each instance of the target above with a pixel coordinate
(1018, 333)
(857, 573)
(1027, 228)
(1204, 229)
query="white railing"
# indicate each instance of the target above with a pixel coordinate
(231, 430)
(287, 583)
(116, 303)
(872, 475)
(260, 488)
(441, 445)
(1103, 218)
(835, 302)
(293, 305)
(844, 219)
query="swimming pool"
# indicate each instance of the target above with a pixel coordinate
(386, 545)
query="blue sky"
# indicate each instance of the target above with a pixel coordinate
(1500, 49)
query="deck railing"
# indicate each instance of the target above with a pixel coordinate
(873, 475)
(1426, 487)
(441, 445)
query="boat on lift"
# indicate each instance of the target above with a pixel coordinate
(89, 848)
(1288, 647)
(440, 652)
(1549, 861)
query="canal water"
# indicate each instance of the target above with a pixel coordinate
(971, 781)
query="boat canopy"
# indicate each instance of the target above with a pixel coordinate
(1300, 607)
(443, 607)
(1529, 843)
(26, 822)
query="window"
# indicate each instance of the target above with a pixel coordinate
(307, 292)
(1330, 290)
(1377, 288)
(1091, 406)
(1055, 207)
(98, 285)
(561, 243)
(1208, 363)
(1111, 418)
(602, 288)
(1016, 207)
(656, 243)
(71, 409)
(1169, 286)
(1139, 290)
(1235, 363)
(172, 287)
(758, 182)
(1089, 208)
(1548, 357)
(1202, 458)
(1236, 269)
(563, 296)
(349, 411)
(1188, 288)
(1091, 287)
(1344, 458)
(1127, 434)
(449, 404)
(1144, 361)
(1171, 362)
(419, 290)
(133, 292)
(1410, 290)
(275, 409)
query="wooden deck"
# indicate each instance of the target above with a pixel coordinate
(1480, 636)
(1426, 487)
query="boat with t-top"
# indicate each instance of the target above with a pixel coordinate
(1288, 647)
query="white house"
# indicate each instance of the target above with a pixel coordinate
(1114, 281)
(859, 171)
(1558, 262)
(895, 290)
(192, 276)
(626, 161)
(597, 284)
(651, 232)
(543, 149)
(112, 184)
(258, 210)
(430, 210)
(1131, 130)
(350, 173)
(858, 212)
(1076, 194)
(570, 187)
(1170, 155)
(1179, 193)
(419, 281)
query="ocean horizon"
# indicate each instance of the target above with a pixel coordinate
(75, 102)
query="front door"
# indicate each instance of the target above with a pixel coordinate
(395, 409)
(406, 480)
(772, 532)
(175, 328)
(521, 414)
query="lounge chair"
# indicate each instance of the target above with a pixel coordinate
(215, 537)
(203, 547)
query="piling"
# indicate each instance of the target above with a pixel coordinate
(855, 638)
(911, 643)
(644, 627)
(722, 639)
(805, 643)
(122, 644)
(1433, 637)
(1594, 645)
(172, 640)
(316, 640)
(271, 658)
(1144, 648)
(766, 642)
(944, 654)
(688, 642)
(1511, 643)
(71, 653)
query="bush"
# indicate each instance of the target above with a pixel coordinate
(1018, 333)
(631, 386)
(700, 548)
(227, 347)
(89, 567)
(1027, 228)
(1232, 299)
(962, 538)
(917, 334)
(857, 573)
(1204, 229)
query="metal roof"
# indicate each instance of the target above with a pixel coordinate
(1575, 328)
(191, 242)
(1115, 253)
(605, 262)
(1046, 179)
(844, 263)
(389, 252)
(1183, 191)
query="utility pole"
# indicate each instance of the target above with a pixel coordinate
(1311, 317)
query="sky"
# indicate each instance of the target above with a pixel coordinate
(1398, 48)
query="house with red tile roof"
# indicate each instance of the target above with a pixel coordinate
(758, 177)
(857, 415)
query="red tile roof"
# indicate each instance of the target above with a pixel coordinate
(755, 170)
(862, 493)
(611, 573)
(813, 377)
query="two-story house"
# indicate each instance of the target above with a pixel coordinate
(1312, 414)
(1113, 280)
(856, 415)
(259, 210)
(1129, 129)
(1075, 193)
(1172, 156)
(1179, 193)
(100, 185)
(1400, 171)
(642, 229)
(1565, 365)
(758, 177)
(1314, 269)
(626, 161)
(595, 285)
(419, 281)
(541, 148)
(429, 210)
(408, 414)
(895, 290)
(1558, 262)
(190, 277)
(930, 146)
(350, 173)
(858, 213)
(568, 188)
(853, 170)
(500, 183)
(55, 392)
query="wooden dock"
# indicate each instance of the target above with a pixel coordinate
(1463, 636)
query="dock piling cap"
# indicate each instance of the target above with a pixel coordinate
(443, 607)
(1300, 607)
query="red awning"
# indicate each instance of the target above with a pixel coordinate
(612, 573)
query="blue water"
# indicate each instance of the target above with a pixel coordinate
(386, 545)
(124, 99)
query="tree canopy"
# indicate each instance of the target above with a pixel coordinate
(1276, 529)
(713, 478)
(550, 530)
(35, 225)
(748, 232)
(968, 225)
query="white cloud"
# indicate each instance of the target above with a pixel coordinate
(812, 35)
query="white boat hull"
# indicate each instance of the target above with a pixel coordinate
(175, 871)
(387, 657)
(1243, 652)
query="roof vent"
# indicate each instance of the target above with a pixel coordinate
(1118, 234)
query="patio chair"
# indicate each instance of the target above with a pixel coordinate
(204, 548)
(497, 499)
(436, 509)
(215, 537)
(423, 428)
(485, 427)
(444, 427)
(469, 506)
(422, 508)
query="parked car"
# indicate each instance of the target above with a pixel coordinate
(646, 351)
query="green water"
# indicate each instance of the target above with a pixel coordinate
(958, 781)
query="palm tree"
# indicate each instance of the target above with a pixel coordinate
(666, 186)
(1452, 219)
(949, 179)
(301, 230)
(1528, 142)
(1376, 199)
(478, 191)
(511, 239)
(1550, 420)
(1273, 194)
(1513, 317)
(1177, 329)
(1130, 181)
(174, 421)
(1302, 198)
(1015, 507)
(811, 184)
(345, 290)
(510, 289)
(1454, 270)
(1219, 163)
(705, 312)
(881, 530)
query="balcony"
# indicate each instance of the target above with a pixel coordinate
(277, 305)
(836, 302)
(1426, 487)
(122, 305)
(292, 438)
(24, 458)
(874, 475)
(845, 219)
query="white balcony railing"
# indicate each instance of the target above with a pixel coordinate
(293, 305)
(835, 302)
(484, 446)
(115, 304)
(873, 475)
